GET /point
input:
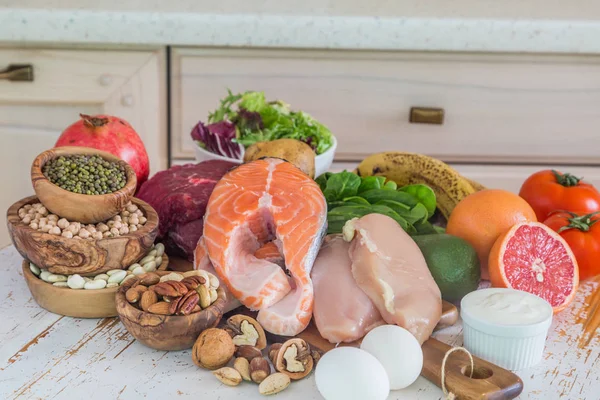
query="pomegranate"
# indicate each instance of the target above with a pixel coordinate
(113, 135)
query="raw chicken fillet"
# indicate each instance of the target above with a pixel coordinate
(267, 200)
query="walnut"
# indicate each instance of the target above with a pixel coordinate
(246, 331)
(213, 349)
(294, 359)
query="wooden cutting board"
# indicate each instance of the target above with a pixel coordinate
(489, 381)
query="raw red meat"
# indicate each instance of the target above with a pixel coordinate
(179, 195)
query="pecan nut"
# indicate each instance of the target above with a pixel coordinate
(192, 282)
(170, 289)
(187, 303)
(174, 305)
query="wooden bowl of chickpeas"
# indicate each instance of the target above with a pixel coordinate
(71, 247)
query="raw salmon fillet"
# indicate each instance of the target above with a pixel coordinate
(267, 200)
(342, 311)
(390, 268)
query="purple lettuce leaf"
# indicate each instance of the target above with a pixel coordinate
(218, 138)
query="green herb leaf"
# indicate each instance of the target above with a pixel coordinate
(341, 185)
(371, 182)
(425, 228)
(424, 194)
(376, 195)
(322, 180)
(337, 218)
(224, 112)
(415, 215)
(355, 200)
(390, 185)
(253, 101)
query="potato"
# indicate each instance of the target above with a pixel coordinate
(298, 153)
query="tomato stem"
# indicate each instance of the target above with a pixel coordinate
(566, 180)
(581, 222)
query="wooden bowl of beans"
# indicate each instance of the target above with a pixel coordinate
(68, 247)
(82, 184)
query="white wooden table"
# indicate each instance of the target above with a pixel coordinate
(47, 356)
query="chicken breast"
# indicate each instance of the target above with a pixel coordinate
(342, 311)
(390, 268)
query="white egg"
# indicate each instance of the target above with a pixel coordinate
(398, 351)
(349, 373)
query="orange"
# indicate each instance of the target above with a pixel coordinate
(534, 258)
(483, 216)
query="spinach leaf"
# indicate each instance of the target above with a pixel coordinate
(390, 185)
(415, 215)
(337, 217)
(425, 228)
(376, 195)
(356, 200)
(371, 182)
(322, 180)
(341, 185)
(424, 194)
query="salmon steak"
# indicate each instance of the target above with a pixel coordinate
(267, 200)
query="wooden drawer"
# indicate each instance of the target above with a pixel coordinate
(129, 84)
(498, 108)
(507, 177)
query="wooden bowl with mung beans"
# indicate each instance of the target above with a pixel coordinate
(79, 204)
(86, 255)
(85, 297)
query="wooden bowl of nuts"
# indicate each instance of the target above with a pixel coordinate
(65, 247)
(168, 310)
(82, 184)
(82, 297)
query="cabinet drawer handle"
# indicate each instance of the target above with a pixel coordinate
(18, 73)
(424, 115)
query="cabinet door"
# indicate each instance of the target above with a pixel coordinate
(129, 84)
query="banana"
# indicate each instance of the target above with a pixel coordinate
(404, 168)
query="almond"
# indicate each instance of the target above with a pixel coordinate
(243, 367)
(228, 376)
(161, 308)
(149, 279)
(148, 298)
(274, 383)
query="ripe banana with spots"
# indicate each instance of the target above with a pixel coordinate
(449, 186)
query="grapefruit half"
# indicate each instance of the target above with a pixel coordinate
(533, 258)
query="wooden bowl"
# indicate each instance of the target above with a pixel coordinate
(167, 332)
(85, 257)
(98, 303)
(88, 209)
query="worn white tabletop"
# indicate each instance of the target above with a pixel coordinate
(47, 356)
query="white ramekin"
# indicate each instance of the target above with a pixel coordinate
(503, 341)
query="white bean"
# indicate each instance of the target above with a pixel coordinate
(67, 234)
(146, 259)
(133, 266)
(56, 278)
(76, 281)
(83, 233)
(44, 275)
(104, 277)
(85, 278)
(35, 269)
(112, 284)
(158, 260)
(99, 284)
(152, 253)
(117, 276)
(60, 284)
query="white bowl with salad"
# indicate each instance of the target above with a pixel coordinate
(244, 119)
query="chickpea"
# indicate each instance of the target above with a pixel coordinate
(67, 234)
(107, 234)
(139, 213)
(132, 228)
(125, 214)
(132, 208)
(33, 225)
(117, 225)
(124, 230)
(27, 219)
(55, 230)
(134, 220)
(73, 228)
(97, 235)
(125, 221)
(110, 223)
(102, 227)
(43, 220)
(43, 211)
(38, 216)
(42, 223)
(117, 218)
(37, 205)
(53, 217)
(22, 213)
(62, 223)
(143, 220)
(114, 231)
(52, 223)
(27, 206)
(46, 228)
(83, 233)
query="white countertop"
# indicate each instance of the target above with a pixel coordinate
(460, 25)
(44, 355)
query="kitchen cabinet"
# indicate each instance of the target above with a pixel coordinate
(505, 116)
(130, 84)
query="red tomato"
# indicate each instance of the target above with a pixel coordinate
(549, 190)
(582, 233)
